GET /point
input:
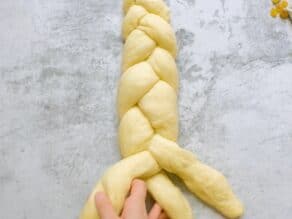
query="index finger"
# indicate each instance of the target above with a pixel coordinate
(138, 190)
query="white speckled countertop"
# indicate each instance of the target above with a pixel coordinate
(59, 66)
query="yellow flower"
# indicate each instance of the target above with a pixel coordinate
(284, 4)
(284, 14)
(276, 1)
(280, 7)
(274, 12)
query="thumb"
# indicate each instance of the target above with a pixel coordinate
(104, 206)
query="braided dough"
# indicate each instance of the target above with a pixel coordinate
(147, 106)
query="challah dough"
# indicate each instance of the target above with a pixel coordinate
(147, 107)
(289, 9)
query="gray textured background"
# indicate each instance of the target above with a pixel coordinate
(59, 66)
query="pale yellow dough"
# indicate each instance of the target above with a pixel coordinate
(147, 107)
(289, 9)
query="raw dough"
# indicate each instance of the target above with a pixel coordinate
(289, 9)
(147, 106)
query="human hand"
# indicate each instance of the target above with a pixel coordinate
(134, 207)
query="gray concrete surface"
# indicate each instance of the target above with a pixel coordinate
(59, 66)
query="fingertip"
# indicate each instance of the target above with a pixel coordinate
(138, 183)
(155, 212)
(139, 189)
(100, 197)
(156, 207)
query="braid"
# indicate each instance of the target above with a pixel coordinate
(147, 107)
